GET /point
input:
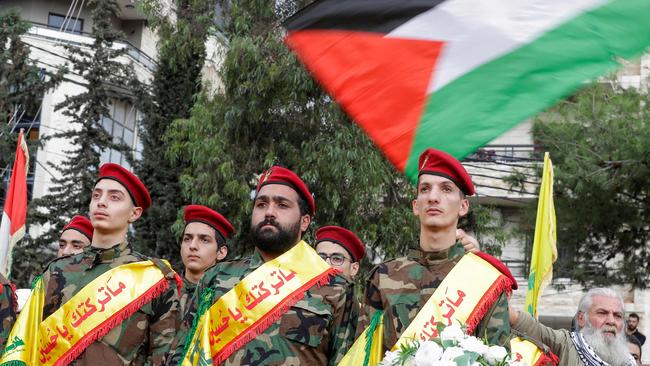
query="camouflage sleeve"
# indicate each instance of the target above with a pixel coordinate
(164, 324)
(495, 325)
(557, 340)
(371, 301)
(343, 326)
(187, 319)
(7, 313)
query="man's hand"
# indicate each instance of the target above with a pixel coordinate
(513, 315)
(469, 242)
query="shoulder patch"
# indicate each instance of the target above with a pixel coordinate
(500, 266)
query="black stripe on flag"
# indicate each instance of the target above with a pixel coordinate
(380, 16)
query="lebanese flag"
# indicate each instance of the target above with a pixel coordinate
(455, 74)
(14, 213)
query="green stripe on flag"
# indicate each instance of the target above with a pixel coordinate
(489, 100)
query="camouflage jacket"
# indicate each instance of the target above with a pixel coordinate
(146, 337)
(317, 330)
(400, 287)
(187, 291)
(7, 310)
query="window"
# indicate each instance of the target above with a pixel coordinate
(122, 126)
(72, 24)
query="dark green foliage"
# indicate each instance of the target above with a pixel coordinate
(107, 80)
(176, 82)
(599, 140)
(22, 85)
(272, 112)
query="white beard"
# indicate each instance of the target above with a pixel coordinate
(612, 350)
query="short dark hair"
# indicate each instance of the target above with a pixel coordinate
(221, 241)
(633, 315)
(303, 206)
(218, 237)
(460, 190)
(635, 341)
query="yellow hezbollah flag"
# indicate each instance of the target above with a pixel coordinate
(367, 349)
(544, 249)
(22, 345)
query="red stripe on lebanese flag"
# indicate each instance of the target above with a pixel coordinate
(14, 213)
(380, 82)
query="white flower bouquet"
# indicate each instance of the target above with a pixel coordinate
(452, 348)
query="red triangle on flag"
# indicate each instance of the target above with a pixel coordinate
(381, 82)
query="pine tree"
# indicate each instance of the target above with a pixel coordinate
(22, 83)
(271, 111)
(22, 86)
(599, 141)
(107, 79)
(175, 84)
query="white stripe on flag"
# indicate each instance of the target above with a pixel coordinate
(479, 31)
(5, 241)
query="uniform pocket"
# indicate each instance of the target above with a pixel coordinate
(306, 323)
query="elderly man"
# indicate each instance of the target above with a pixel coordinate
(599, 340)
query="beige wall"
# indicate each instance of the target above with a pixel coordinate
(38, 10)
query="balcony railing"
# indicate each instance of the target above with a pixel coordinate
(507, 153)
(86, 39)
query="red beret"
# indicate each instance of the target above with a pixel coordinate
(137, 190)
(343, 237)
(208, 216)
(82, 224)
(279, 175)
(440, 163)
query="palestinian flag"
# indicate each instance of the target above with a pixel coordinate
(455, 74)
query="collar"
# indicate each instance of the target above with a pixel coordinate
(436, 257)
(255, 260)
(107, 255)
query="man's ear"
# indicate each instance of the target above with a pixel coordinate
(580, 317)
(354, 269)
(222, 253)
(464, 207)
(305, 220)
(135, 214)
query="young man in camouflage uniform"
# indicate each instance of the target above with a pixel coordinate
(317, 329)
(75, 236)
(202, 246)
(400, 287)
(7, 309)
(118, 199)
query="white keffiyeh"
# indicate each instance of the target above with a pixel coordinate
(587, 354)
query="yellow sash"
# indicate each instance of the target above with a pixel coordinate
(22, 345)
(464, 296)
(528, 353)
(100, 306)
(256, 302)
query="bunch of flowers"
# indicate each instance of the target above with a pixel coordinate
(452, 348)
